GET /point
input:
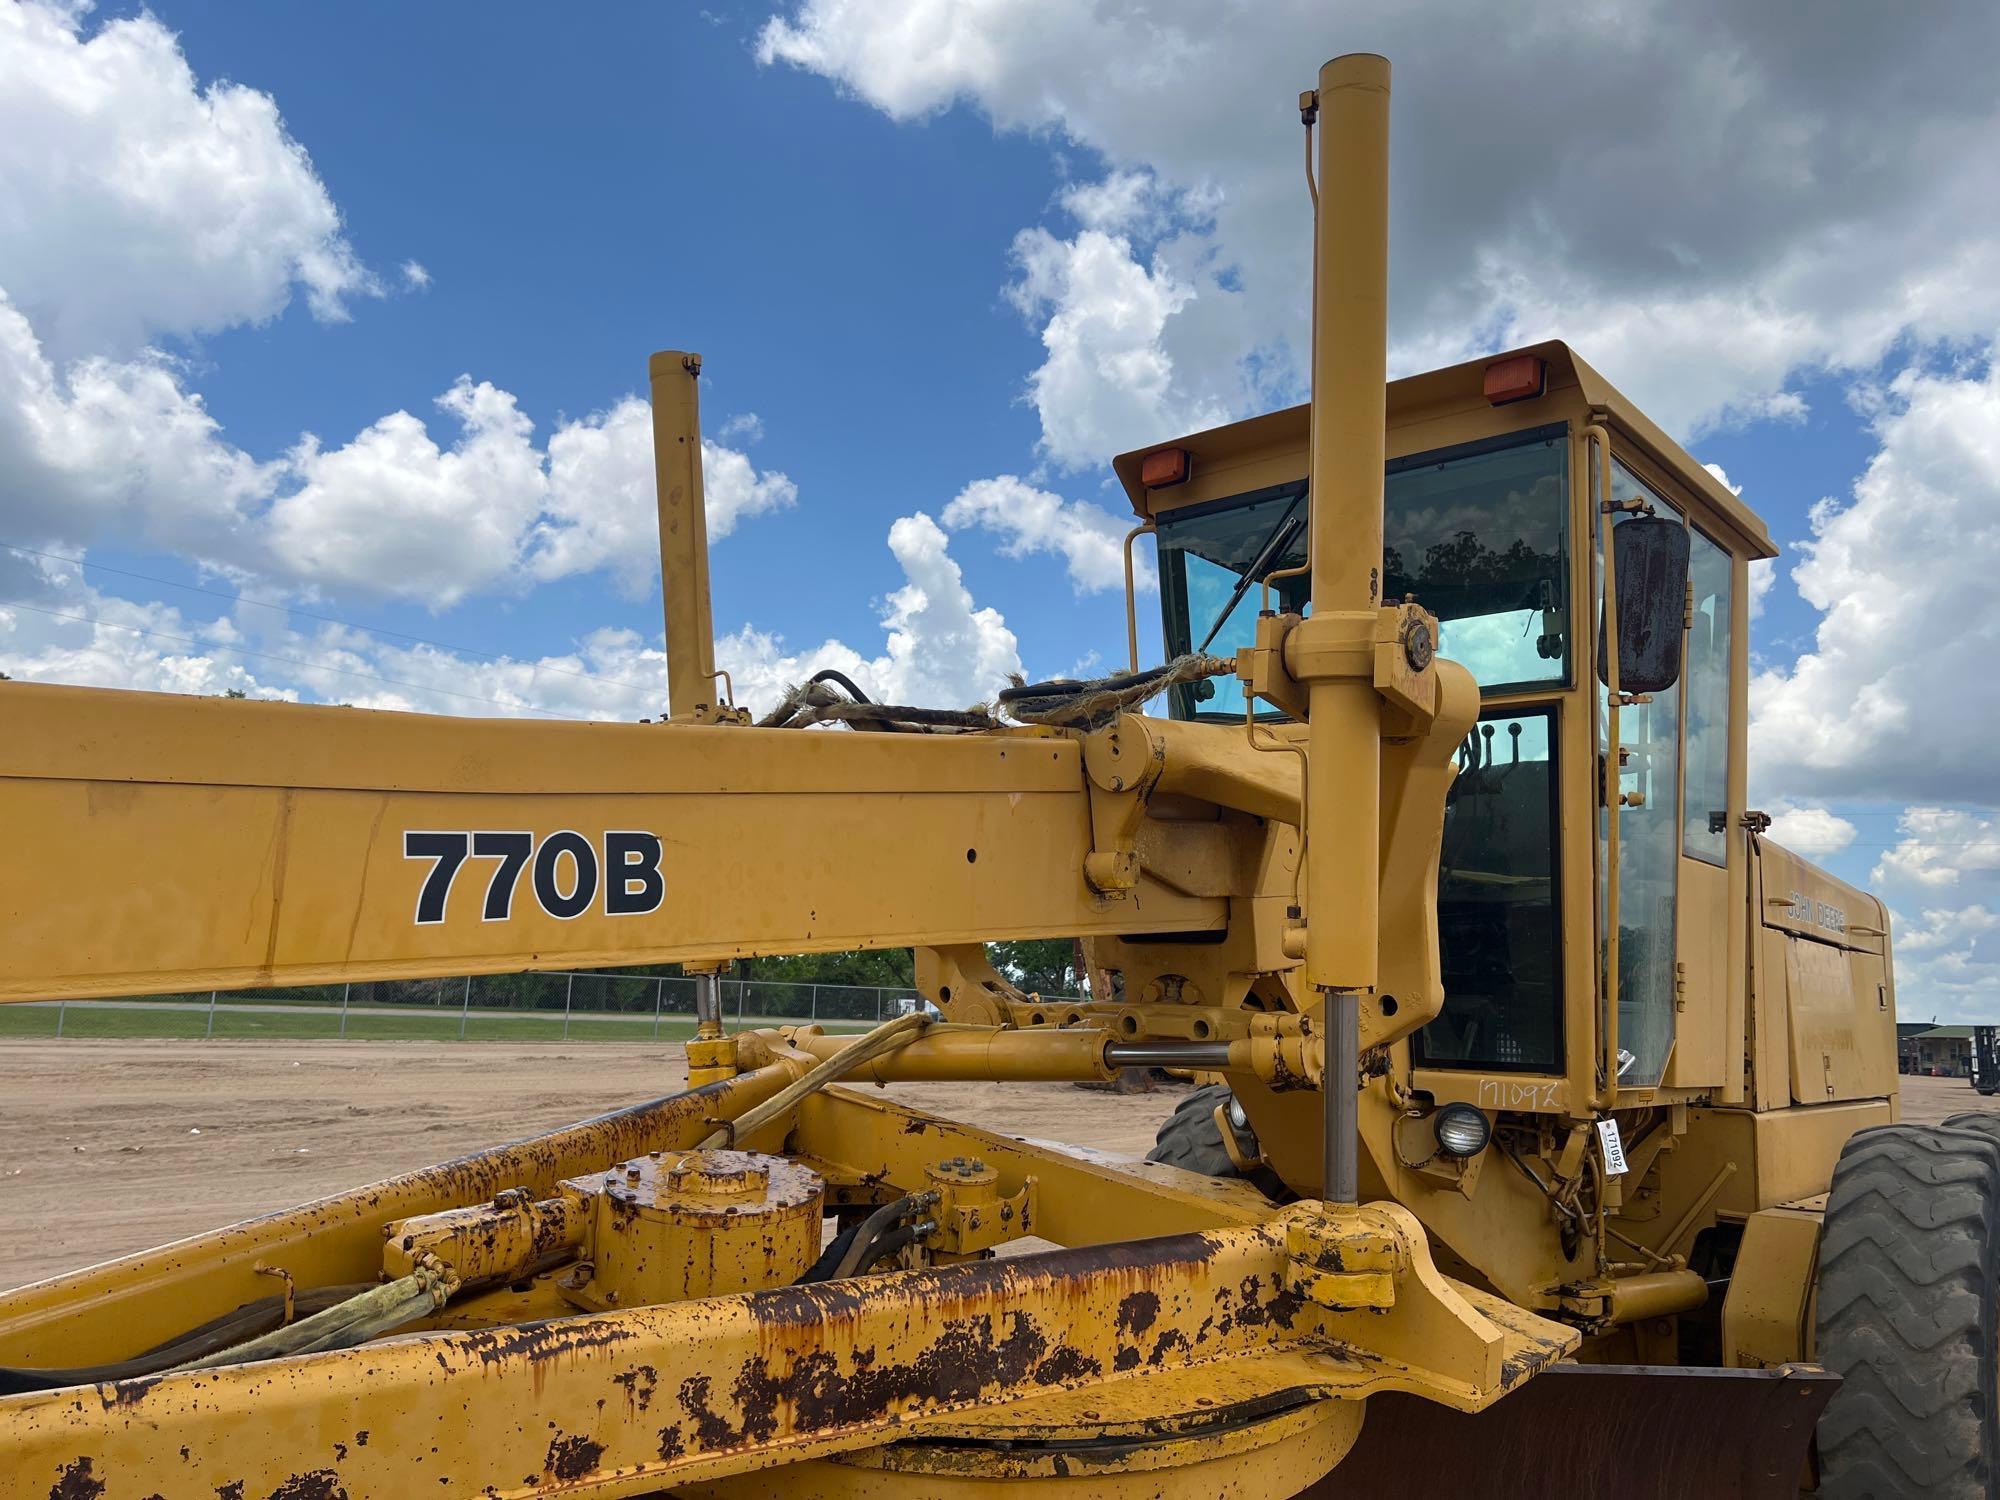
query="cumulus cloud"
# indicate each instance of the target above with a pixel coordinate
(1940, 846)
(942, 650)
(1109, 380)
(938, 649)
(1714, 230)
(135, 203)
(1089, 539)
(602, 508)
(1894, 699)
(1943, 929)
(1120, 203)
(391, 505)
(116, 445)
(67, 632)
(1815, 832)
(122, 447)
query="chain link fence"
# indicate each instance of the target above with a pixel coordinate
(490, 1007)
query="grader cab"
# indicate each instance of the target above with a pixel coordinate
(1554, 1151)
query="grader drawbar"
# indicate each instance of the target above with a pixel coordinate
(1527, 1062)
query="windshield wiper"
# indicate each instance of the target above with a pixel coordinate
(1274, 547)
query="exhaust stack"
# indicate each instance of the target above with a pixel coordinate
(683, 531)
(1350, 332)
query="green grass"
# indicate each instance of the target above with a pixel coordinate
(85, 1020)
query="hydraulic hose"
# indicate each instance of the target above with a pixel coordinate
(874, 1227)
(355, 1321)
(249, 1321)
(894, 1240)
(884, 1038)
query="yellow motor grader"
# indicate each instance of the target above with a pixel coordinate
(1554, 1149)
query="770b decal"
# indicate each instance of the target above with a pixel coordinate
(564, 871)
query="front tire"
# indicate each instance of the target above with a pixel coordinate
(1909, 1284)
(1189, 1138)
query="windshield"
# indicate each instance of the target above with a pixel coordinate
(1477, 534)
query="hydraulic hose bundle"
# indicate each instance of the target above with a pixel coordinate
(1063, 702)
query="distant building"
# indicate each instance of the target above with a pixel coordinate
(1907, 1033)
(1934, 1051)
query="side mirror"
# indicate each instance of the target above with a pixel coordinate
(1651, 553)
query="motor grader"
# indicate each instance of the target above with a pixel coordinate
(1553, 1150)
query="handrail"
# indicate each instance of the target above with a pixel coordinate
(1600, 496)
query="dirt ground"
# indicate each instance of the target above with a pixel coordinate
(107, 1147)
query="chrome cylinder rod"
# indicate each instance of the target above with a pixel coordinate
(708, 1005)
(1166, 1054)
(1340, 1114)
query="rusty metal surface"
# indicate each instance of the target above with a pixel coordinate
(1622, 1432)
(113, 1310)
(669, 1227)
(628, 1402)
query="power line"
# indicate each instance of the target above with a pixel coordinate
(305, 614)
(188, 640)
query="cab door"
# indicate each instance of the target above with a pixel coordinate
(1707, 842)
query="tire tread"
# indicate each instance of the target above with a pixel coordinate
(1188, 1137)
(1906, 1314)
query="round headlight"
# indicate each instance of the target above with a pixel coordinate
(1461, 1130)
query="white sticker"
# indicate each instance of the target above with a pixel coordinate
(1614, 1148)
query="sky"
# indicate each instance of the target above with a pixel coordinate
(323, 334)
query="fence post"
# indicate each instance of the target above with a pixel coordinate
(211, 1013)
(659, 999)
(62, 1009)
(465, 1010)
(815, 1003)
(569, 994)
(344, 989)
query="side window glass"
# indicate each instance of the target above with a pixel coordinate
(1705, 828)
(1207, 559)
(1648, 856)
(1209, 586)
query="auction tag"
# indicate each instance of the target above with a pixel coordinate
(1614, 1148)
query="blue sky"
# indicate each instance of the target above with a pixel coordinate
(839, 274)
(942, 261)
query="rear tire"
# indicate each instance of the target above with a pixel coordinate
(1983, 1121)
(1908, 1273)
(1189, 1139)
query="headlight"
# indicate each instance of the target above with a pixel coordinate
(1461, 1130)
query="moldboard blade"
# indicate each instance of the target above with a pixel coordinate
(1622, 1432)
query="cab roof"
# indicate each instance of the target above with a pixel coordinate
(1437, 397)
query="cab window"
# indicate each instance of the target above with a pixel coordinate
(1705, 824)
(1499, 934)
(1477, 534)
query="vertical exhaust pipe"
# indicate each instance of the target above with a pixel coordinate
(683, 531)
(1350, 361)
